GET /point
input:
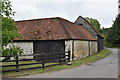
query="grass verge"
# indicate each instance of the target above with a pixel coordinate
(75, 63)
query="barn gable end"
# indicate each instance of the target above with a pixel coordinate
(82, 21)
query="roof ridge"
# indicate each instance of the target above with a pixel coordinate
(39, 19)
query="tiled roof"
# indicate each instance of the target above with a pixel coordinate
(51, 29)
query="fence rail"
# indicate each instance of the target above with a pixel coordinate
(61, 59)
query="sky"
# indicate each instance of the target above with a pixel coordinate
(105, 11)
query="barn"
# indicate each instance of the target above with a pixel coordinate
(100, 40)
(55, 35)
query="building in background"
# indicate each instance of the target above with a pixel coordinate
(84, 23)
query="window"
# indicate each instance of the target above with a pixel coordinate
(81, 24)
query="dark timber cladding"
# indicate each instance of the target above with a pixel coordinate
(48, 47)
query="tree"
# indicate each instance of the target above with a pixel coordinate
(9, 29)
(114, 33)
(95, 23)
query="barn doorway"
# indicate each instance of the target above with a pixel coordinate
(49, 46)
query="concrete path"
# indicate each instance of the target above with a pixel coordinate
(104, 68)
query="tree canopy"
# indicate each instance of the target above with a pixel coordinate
(113, 36)
(9, 29)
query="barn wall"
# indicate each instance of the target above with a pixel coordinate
(68, 46)
(47, 47)
(26, 46)
(100, 44)
(81, 49)
(93, 47)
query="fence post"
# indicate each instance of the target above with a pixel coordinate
(43, 60)
(59, 55)
(17, 64)
(69, 61)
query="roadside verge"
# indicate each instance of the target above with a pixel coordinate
(75, 63)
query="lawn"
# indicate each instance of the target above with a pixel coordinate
(75, 63)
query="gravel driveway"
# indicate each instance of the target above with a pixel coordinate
(104, 68)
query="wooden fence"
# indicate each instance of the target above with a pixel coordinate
(61, 59)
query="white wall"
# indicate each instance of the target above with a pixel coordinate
(68, 46)
(81, 48)
(93, 47)
(27, 48)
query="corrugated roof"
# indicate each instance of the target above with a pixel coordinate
(51, 29)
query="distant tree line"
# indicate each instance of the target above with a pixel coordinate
(111, 35)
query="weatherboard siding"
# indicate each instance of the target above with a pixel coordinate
(82, 22)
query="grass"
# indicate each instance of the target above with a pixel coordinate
(75, 63)
(116, 47)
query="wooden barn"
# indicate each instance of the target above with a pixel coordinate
(82, 21)
(55, 35)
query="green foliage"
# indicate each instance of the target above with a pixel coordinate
(95, 23)
(113, 36)
(14, 50)
(8, 24)
(9, 29)
(6, 9)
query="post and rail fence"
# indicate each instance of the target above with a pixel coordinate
(54, 57)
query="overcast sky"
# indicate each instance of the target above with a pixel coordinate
(104, 11)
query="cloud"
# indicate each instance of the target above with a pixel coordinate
(103, 10)
(33, 1)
